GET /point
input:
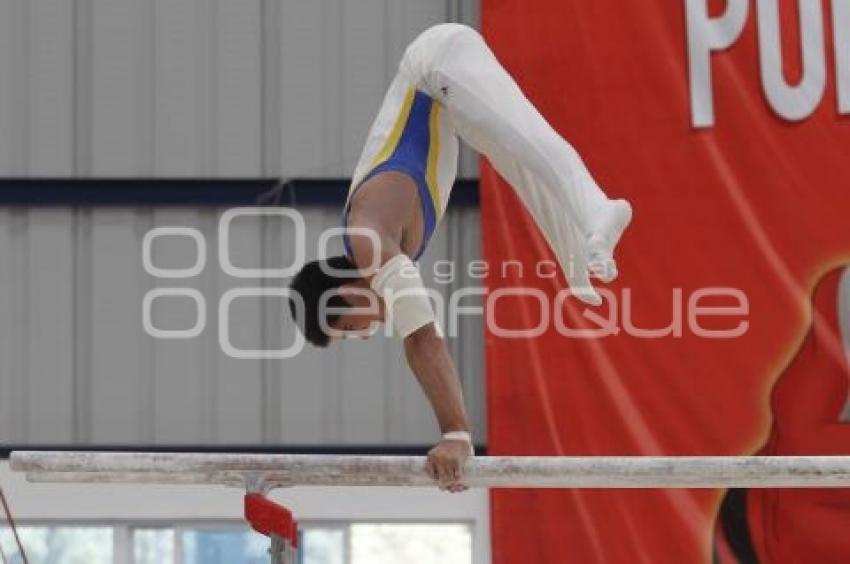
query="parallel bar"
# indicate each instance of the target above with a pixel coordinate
(488, 471)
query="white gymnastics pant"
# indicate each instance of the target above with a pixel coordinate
(486, 109)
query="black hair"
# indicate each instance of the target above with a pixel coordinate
(311, 282)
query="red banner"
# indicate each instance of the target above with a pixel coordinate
(727, 125)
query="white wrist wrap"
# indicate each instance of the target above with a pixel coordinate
(460, 436)
(406, 301)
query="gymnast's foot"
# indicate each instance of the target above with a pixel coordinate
(608, 225)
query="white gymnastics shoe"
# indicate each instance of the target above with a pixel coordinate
(609, 222)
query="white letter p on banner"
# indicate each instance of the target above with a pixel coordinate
(797, 102)
(705, 35)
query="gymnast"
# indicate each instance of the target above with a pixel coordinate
(449, 86)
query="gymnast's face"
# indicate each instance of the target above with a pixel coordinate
(363, 315)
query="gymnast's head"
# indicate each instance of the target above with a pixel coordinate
(329, 299)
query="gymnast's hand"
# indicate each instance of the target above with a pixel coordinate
(445, 464)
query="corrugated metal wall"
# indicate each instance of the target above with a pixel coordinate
(194, 88)
(206, 88)
(76, 364)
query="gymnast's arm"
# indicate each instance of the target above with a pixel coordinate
(426, 352)
(429, 359)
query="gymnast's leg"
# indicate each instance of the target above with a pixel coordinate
(490, 112)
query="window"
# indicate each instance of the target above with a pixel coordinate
(324, 545)
(234, 543)
(422, 543)
(153, 546)
(65, 545)
(223, 546)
